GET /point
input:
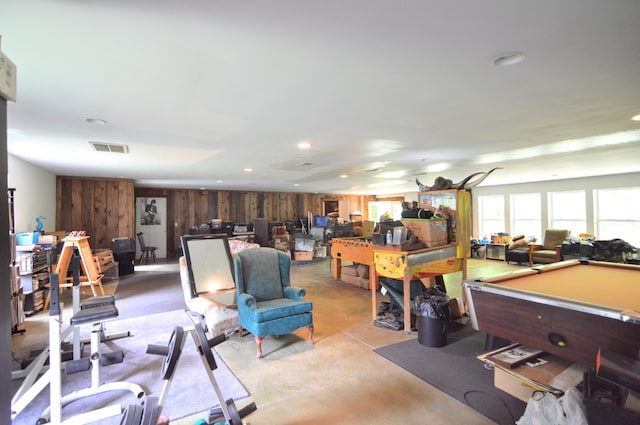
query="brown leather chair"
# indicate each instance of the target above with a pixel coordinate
(550, 250)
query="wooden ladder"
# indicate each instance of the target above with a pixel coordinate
(91, 276)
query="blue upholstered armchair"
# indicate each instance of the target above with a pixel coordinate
(267, 304)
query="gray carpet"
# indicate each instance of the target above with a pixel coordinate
(455, 370)
(149, 293)
(190, 391)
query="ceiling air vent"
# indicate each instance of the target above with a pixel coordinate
(109, 147)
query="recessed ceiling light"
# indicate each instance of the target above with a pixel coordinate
(509, 59)
(304, 144)
(296, 184)
(96, 121)
(343, 176)
(635, 117)
(248, 170)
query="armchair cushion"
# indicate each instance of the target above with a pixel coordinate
(272, 309)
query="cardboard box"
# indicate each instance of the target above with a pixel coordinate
(556, 375)
(47, 239)
(432, 232)
(510, 385)
(303, 255)
(457, 308)
(355, 281)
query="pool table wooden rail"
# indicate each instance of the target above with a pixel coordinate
(566, 327)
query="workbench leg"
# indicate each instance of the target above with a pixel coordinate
(374, 292)
(407, 300)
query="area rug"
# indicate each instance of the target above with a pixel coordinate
(149, 293)
(190, 390)
(455, 370)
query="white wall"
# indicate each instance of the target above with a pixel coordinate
(35, 195)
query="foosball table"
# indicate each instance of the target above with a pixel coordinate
(357, 250)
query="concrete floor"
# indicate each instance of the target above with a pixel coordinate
(340, 380)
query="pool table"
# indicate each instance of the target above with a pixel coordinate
(569, 309)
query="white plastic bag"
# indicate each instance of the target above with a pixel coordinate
(548, 409)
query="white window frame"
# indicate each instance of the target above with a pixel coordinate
(532, 223)
(575, 219)
(489, 223)
(627, 207)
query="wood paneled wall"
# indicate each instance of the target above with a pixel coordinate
(187, 208)
(105, 208)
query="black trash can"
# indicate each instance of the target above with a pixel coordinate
(432, 317)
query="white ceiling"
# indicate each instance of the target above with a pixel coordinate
(385, 90)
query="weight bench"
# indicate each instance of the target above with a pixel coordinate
(102, 300)
(94, 312)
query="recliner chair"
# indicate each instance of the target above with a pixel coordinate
(550, 250)
(267, 303)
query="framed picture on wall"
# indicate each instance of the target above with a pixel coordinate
(150, 212)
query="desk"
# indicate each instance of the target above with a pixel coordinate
(568, 309)
(408, 265)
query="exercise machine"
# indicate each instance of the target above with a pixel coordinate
(94, 312)
(227, 412)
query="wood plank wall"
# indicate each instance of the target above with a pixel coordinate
(105, 208)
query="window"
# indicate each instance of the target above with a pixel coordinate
(377, 209)
(490, 215)
(568, 210)
(617, 214)
(526, 214)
